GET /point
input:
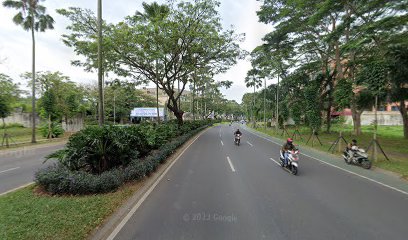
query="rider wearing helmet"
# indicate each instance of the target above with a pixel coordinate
(237, 132)
(288, 146)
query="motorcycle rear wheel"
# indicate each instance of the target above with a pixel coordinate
(366, 164)
(294, 170)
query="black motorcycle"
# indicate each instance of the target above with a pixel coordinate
(359, 157)
(237, 139)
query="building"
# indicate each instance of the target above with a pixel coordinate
(163, 98)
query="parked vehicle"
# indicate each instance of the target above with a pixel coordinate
(237, 139)
(293, 158)
(358, 157)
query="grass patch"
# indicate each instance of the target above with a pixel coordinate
(25, 214)
(21, 134)
(390, 137)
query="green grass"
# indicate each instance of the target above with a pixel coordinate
(21, 134)
(390, 137)
(27, 215)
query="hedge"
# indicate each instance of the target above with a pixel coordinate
(60, 179)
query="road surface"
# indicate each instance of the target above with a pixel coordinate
(17, 166)
(217, 190)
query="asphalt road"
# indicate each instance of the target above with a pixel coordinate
(217, 190)
(17, 166)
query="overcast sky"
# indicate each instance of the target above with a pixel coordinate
(53, 55)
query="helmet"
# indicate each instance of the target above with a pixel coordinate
(290, 140)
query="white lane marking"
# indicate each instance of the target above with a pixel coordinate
(222, 143)
(11, 169)
(356, 174)
(250, 144)
(141, 200)
(17, 188)
(230, 163)
(340, 168)
(275, 161)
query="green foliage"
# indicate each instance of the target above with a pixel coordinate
(343, 94)
(374, 76)
(5, 109)
(62, 178)
(56, 130)
(312, 112)
(165, 44)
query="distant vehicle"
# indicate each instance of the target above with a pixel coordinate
(242, 121)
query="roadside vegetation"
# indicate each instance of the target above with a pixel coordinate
(101, 159)
(29, 214)
(97, 172)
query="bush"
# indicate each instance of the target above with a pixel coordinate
(71, 177)
(56, 130)
(98, 149)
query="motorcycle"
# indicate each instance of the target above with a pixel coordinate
(293, 158)
(237, 139)
(360, 157)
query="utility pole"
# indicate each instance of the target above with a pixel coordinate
(264, 103)
(101, 112)
(277, 105)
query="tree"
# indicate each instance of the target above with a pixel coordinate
(31, 17)
(167, 50)
(48, 108)
(121, 97)
(154, 12)
(252, 80)
(397, 57)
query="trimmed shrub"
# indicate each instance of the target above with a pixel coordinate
(62, 179)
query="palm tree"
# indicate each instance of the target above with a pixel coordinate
(154, 12)
(252, 80)
(31, 17)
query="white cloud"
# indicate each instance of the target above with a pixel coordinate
(53, 55)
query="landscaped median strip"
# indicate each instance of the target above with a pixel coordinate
(30, 214)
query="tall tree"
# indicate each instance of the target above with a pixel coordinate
(253, 80)
(166, 51)
(31, 17)
(154, 12)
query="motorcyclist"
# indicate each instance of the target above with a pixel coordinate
(237, 132)
(288, 146)
(352, 148)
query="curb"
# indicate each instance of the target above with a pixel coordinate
(109, 225)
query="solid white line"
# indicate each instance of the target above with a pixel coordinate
(275, 161)
(230, 163)
(250, 144)
(17, 188)
(11, 169)
(356, 174)
(141, 200)
(222, 143)
(340, 168)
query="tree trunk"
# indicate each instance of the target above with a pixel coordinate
(356, 121)
(33, 139)
(404, 114)
(329, 108)
(49, 126)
